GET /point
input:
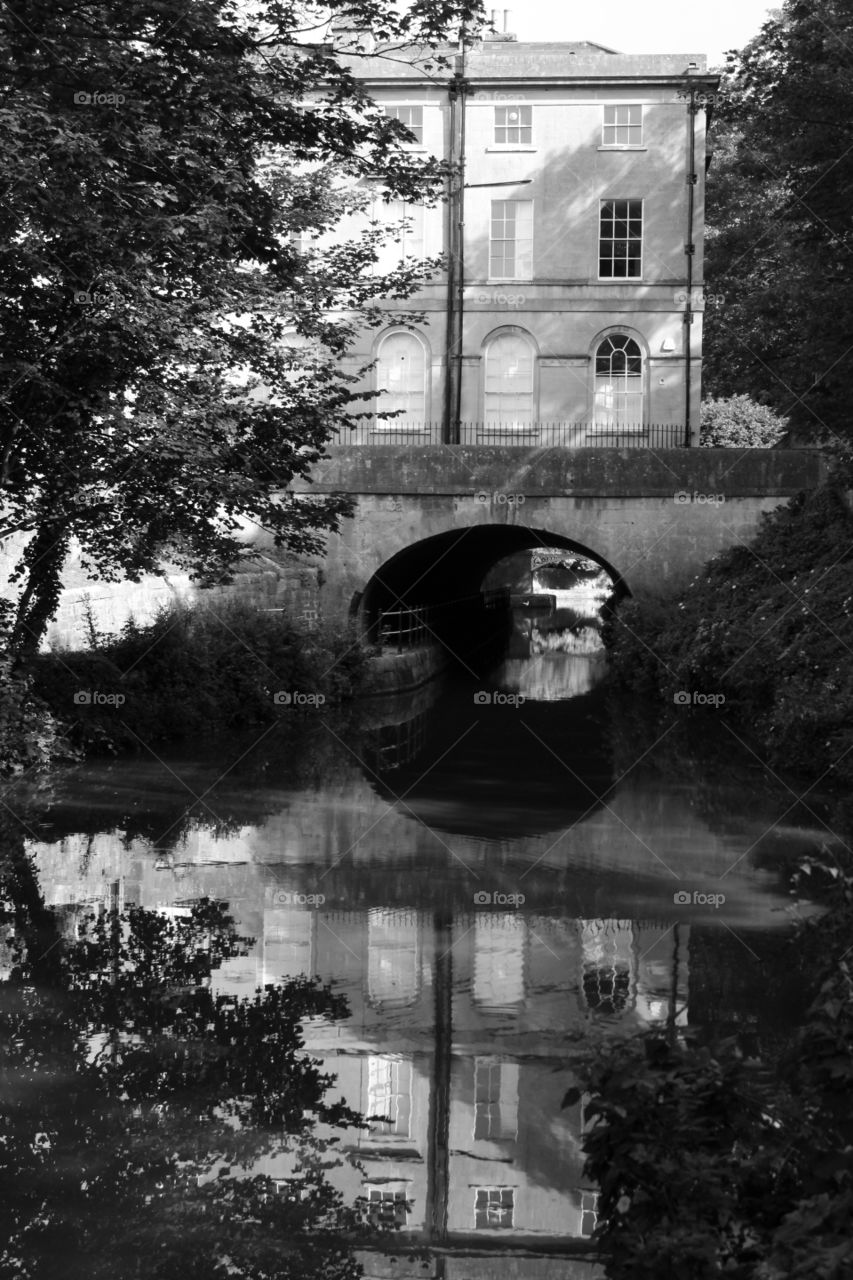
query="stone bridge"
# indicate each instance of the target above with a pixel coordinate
(431, 520)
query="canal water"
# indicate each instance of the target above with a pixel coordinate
(494, 874)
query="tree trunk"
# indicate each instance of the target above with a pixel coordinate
(45, 557)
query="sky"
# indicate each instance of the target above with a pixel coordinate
(660, 26)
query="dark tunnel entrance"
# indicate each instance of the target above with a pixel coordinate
(433, 590)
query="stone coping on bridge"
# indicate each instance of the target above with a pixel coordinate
(466, 470)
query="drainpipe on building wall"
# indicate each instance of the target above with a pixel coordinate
(455, 245)
(690, 251)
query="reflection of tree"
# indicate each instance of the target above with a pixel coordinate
(138, 1103)
(239, 781)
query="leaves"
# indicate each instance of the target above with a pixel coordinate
(138, 1104)
(169, 359)
(736, 1169)
(779, 242)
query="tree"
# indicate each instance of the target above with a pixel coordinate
(169, 344)
(710, 1163)
(137, 1103)
(779, 238)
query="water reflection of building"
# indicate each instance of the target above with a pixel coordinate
(459, 1039)
(461, 1033)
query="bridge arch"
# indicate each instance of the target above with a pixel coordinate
(450, 567)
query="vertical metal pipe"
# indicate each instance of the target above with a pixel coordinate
(690, 250)
(460, 255)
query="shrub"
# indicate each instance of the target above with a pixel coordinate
(712, 1164)
(739, 422)
(770, 626)
(29, 734)
(193, 672)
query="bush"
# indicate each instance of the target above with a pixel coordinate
(739, 422)
(195, 671)
(769, 626)
(29, 734)
(712, 1164)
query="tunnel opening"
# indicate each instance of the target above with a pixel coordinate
(461, 590)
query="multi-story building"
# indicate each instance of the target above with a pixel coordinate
(571, 308)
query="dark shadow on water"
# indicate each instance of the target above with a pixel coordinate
(486, 765)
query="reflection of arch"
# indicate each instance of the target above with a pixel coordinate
(509, 388)
(619, 395)
(393, 958)
(453, 564)
(401, 374)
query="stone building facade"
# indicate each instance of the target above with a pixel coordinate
(571, 311)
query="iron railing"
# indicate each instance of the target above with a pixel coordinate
(566, 435)
(403, 628)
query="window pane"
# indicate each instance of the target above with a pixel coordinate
(493, 1208)
(619, 399)
(622, 125)
(411, 117)
(514, 124)
(620, 239)
(511, 242)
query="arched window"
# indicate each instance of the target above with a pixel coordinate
(608, 975)
(401, 375)
(619, 383)
(510, 381)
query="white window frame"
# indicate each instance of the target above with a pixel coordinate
(408, 244)
(609, 141)
(589, 1204)
(393, 110)
(524, 125)
(495, 1114)
(396, 1196)
(617, 414)
(523, 245)
(389, 1093)
(495, 417)
(488, 1201)
(613, 240)
(402, 421)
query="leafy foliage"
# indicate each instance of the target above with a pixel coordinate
(768, 625)
(195, 671)
(738, 422)
(30, 736)
(710, 1163)
(138, 1102)
(778, 235)
(174, 308)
